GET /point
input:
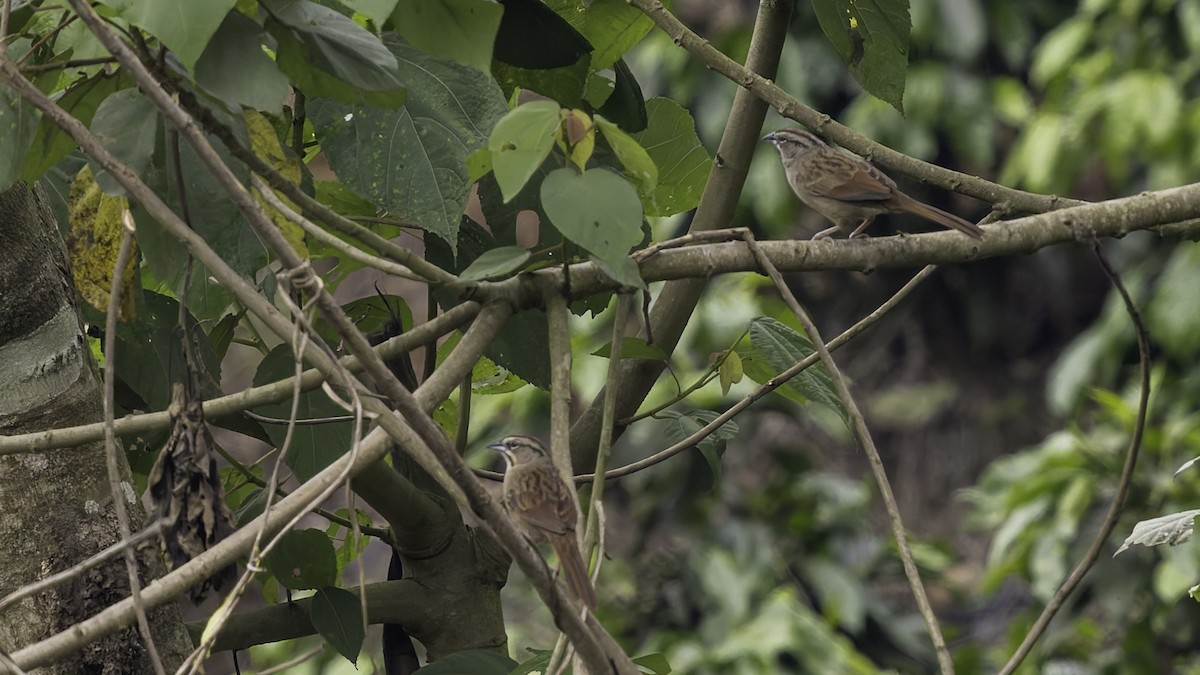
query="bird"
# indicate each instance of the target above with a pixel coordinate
(848, 190)
(543, 506)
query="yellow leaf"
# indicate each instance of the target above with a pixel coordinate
(265, 143)
(581, 133)
(730, 372)
(93, 242)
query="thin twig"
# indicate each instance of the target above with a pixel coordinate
(112, 460)
(868, 443)
(292, 663)
(767, 387)
(340, 245)
(1131, 456)
(232, 404)
(789, 106)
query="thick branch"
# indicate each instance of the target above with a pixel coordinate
(677, 301)
(387, 602)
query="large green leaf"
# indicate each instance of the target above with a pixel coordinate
(150, 353)
(235, 69)
(523, 347)
(600, 211)
(612, 26)
(531, 35)
(326, 54)
(460, 30)
(184, 27)
(81, 100)
(781, 348)
(412, 160)
(337, 616)
(18, 125)
(638, 165)
(313, 446)
(375, 10)
(520, 142)
(683, 163)
(126, 124)
(872, 37)
(213, 215)
(303, 559)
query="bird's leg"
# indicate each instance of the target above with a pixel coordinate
(825, 233)
(858, 231)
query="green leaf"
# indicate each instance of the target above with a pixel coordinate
(781, 348)
(303, 559)
(495, 264)
(51, 143)
(634, 348)
(213, 215)
(523, 347)
(533, 36)
(597, 209)
(412, 160)
(326, 54)
(473, 661)
(489, 378)
(313, 446)
(614, 26)
(150, 352)
(638, 165)
(337, 45)
(872, 37)
(520, 142)
(235, 69)
(683, 163)
(221, 334)
(184, 27)
(18, 125)
(375, 10)
(626, 105)
(655, 663)
(460, 30)
(126, 123)
(337, 616)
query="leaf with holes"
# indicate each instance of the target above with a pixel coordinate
(303, 559)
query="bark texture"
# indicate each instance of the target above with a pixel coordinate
(56, 508)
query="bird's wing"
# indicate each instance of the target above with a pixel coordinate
(849, 179)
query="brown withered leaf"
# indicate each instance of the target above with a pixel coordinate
(187, 492)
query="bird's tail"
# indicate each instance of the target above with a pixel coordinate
(574, 568)
(940, 217)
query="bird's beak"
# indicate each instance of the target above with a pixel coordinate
(770, 138)
(498, 447)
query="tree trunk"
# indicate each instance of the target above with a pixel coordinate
(56, 507)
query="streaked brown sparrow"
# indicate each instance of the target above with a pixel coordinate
(848, 190)
(543, 507)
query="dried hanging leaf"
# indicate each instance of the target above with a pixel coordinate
(187, 492)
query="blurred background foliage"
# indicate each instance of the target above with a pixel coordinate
(1002, 392)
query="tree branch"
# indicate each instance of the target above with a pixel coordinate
(677, 301)
(788, 106)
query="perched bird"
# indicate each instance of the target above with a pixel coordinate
(848, 190)
(543, 507)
